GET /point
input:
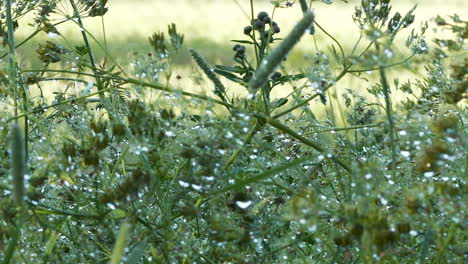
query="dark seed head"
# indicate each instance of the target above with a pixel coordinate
(259, 25)
(241, 49)
(248, 30)
(266, 20)
(276, 75)
(236, 47)
(276, 29)
(262, 15)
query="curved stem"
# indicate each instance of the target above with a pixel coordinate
(306, 101)
(333, 38)
(384, 66)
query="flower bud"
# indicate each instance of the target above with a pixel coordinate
(248, 30)
(259, 25)
(276, 29)
(276, 76)
(241, 49)
(266, 20)
(262, 15)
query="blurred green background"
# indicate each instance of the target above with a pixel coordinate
(209, 25)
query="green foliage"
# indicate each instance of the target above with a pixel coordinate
(111, 165)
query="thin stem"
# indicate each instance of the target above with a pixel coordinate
(344, 128)
(12, 54)
(37, 31)
(132, 81)
(253, 32)
(384, 66)
(388, 110)
(333, 38)
(236, 153)
(306, 101)
(304, 140)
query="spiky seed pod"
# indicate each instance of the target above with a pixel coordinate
(276, 56)
(18, 164)
(219, 90)
(248, 30)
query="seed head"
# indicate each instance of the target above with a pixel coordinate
(276, 29)
(259, 25)
(262, 15)
(276, 76)
(241, 49)
(248, 30)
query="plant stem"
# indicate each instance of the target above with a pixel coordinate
(236, 153)
(253, 32)
(388, 110)
(306, 101)
(304, 140)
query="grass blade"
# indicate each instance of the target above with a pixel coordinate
(120, 244)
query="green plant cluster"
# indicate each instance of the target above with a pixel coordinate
(119, 166)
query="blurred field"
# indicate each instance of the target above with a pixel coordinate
(209, 26)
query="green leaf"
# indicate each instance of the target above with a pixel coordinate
(235, 69)
(242, 41)
(230, 76)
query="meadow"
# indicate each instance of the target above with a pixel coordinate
(233, 131)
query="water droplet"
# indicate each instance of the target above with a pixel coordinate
(243, 205)
(184, 184)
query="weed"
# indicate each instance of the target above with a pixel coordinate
(108, 163)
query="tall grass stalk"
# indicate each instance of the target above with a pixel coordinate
(120, 244)
(219, 90)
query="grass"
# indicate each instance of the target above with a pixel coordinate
(354, 154)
